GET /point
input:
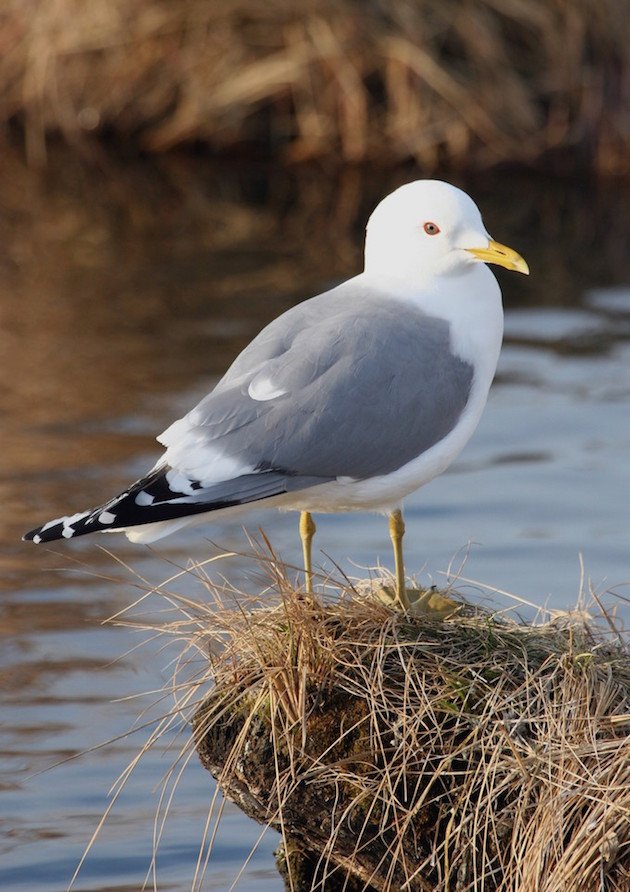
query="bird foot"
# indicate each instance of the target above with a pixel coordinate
(422, 602)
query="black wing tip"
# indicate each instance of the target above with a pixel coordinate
(41, 534)
(64, 528)
(162, 502)
(37, 537)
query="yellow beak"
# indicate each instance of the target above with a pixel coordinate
(502, 255)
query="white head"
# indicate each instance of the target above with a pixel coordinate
(429, 228)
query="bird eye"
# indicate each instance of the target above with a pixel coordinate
(431, 228)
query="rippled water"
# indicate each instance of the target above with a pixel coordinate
(125, 290)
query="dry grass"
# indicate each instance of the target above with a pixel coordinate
(464, 84)
(477, 752)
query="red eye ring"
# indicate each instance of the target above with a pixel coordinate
(431, 228)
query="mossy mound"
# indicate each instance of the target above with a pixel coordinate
(411, 752)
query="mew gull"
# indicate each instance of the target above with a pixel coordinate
(348, 401)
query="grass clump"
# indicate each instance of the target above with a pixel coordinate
(473, 752)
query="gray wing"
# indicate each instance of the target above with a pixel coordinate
(365, 384)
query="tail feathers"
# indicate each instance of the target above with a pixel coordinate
(165, 494)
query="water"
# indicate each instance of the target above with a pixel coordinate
(126, 289)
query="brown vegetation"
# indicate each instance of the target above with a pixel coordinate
(450, 83)
(414, 752)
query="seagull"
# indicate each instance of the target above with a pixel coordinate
(349, 401)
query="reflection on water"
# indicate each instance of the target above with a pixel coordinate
(125, 290)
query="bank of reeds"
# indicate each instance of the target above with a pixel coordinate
(452, 83)
(473, 752)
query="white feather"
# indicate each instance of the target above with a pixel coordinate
(263, 389)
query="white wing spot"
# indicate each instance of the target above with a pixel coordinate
(106, 517)
(178, 483)
(67, 532)
(65, 523)
(144, 498)
(37, 539)
(262, 389)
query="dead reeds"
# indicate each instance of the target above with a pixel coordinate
(476, 752)
(450, 83)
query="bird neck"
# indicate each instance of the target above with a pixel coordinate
(469, 301)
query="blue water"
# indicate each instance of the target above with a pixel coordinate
(110, 330)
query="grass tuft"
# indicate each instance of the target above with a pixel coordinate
(473, 752)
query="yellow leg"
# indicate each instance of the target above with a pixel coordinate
(307, 531)
(396, 532)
